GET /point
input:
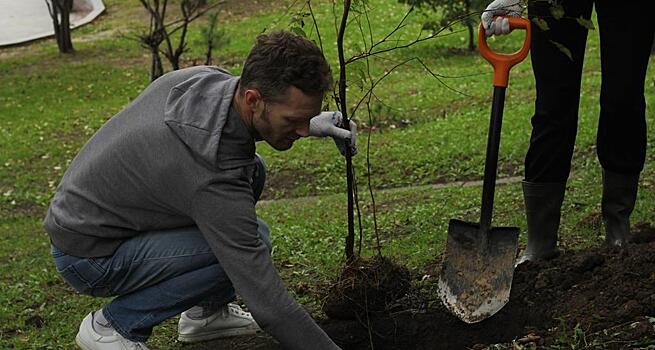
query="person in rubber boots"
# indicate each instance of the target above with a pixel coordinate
(626, 36)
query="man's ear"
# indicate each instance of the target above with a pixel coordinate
(252, 98)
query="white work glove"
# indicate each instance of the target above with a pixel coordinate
(511, 8)
(329, 124)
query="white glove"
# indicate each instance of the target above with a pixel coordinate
(511, 8)
(329, 124)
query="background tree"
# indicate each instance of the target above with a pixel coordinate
(213, 37)
(466, 11)
(168, 33)
(60, 13)
(155, 35)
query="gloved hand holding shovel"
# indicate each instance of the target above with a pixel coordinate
(493, 18)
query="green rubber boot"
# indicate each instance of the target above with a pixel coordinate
(543, 204)
(619, 197)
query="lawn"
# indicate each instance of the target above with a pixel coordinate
(426, 138)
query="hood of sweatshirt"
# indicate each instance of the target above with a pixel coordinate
(197, 111)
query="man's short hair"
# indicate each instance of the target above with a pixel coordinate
(282, 59)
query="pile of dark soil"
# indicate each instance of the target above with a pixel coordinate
(594, 296)
(366, 288)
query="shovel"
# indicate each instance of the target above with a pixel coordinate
(478, 265)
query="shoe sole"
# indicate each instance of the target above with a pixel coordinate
(81, 343)
(225, 333)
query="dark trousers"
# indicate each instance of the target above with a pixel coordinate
(626, 37)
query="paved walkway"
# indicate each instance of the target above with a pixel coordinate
(25, 20)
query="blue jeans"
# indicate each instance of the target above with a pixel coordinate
(155, 276)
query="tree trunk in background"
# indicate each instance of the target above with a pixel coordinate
(156, 67)
(67, 43)
(160, 32)
(60, 13)
(210, 33)
(469, 26)
(208, 55)
(155, 35)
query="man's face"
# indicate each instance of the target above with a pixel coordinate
(281, 124)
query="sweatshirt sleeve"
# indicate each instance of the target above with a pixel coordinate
(224, 211)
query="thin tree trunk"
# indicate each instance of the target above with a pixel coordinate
(174, 56)
(210, 46)
(67, 43)
(156, 67)
(350, 238)
(210, 38)
(53, 8)
(469, 26)
(60, 14)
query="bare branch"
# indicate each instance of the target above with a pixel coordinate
(409, 44)
(334, 16)
(318, 32)
(439, 77)
(359, 214)
(375, 83)
(368, 21)
(399, 26)
(342, 60)
(361, 31)
(284, 15)
(378, 247)
(200, 13)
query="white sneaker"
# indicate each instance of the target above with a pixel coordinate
(88, 339)
(229, 321)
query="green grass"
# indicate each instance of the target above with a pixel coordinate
(51, 104)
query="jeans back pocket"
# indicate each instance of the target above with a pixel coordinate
(85, 275)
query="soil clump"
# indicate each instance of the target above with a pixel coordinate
(595, 296)
(366, 288)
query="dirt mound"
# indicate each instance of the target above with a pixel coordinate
(594, 295)
(594, 299)
(366, 287)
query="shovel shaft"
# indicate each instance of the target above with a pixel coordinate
(491, 162)
(478, 267)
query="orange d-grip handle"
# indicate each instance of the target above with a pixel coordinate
(503, 62)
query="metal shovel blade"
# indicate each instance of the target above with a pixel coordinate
(477, 271)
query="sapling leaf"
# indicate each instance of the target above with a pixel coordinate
(541, 23)
(362, 76)
(557, 11)
(587, 23)
(298, 31)
(563, 48)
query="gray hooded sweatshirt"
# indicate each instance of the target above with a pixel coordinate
(179, 155)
